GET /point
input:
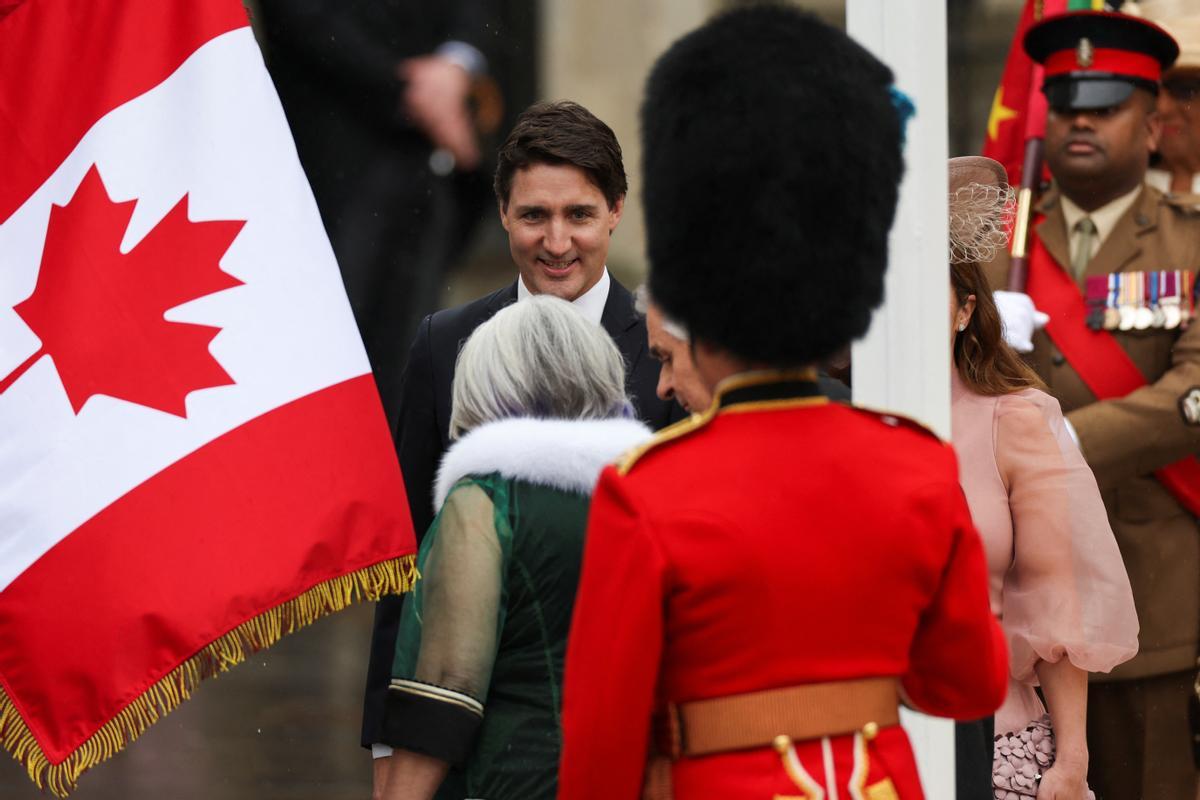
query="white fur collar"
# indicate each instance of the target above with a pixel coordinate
(562, 454)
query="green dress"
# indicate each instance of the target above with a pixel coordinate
(478, 673)
(486, 626)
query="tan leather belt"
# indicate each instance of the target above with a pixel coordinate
(756, 719)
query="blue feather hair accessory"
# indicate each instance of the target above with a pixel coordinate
(905, 110)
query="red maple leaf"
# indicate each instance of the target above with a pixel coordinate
(99, 312)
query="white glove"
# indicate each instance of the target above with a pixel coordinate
(1019, 319)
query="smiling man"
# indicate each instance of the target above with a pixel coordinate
(1116, 256)
(559, 222)
(560, 186)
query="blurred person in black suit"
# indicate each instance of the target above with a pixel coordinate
(560, 185)
(376, 93)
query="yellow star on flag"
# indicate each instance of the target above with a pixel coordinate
(999, 113)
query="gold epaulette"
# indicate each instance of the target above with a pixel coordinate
(894, 420)
(668, 434)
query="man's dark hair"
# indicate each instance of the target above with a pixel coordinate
(562, 133)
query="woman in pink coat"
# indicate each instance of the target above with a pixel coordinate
(1057, 581)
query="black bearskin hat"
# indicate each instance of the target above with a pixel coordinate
(771, 165)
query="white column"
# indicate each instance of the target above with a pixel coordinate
(903, 364)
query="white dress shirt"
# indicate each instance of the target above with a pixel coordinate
(590, 303)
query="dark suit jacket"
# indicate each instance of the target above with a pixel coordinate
(422, 432)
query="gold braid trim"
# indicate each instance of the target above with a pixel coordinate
(395, 576)
(698, 420)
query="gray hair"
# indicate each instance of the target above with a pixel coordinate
(537, 358)
(642, 301)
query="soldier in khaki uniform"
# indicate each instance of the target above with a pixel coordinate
(1099, 218)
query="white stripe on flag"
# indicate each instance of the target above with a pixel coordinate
(215, 131)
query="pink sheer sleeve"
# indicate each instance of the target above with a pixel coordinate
(1067, 592)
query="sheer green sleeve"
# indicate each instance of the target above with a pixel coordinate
(451, 624)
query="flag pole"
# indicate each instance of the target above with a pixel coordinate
(1031, 177)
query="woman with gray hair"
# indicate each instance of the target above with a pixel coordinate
(538, 409)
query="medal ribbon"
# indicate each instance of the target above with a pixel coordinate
(1098, 359)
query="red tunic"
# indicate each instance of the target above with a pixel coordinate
(783, 540)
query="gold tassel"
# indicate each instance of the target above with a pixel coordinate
(389, 577)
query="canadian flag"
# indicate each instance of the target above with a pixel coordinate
(193, 457)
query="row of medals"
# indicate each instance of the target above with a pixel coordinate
(1125, 301)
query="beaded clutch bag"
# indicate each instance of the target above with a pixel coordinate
(1021, 758)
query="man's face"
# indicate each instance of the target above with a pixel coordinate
(677, 377)
(1099, 154)
(559, 226)
(1179, 110)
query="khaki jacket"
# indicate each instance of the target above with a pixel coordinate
(1126, 439)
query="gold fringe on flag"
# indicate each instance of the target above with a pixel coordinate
(389, 577)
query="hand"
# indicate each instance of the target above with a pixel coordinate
(436, 100)
(1019, 319)
(1064, 781)
(379, 777)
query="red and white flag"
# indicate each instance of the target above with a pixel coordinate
(193, 457)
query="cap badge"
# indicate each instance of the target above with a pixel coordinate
(1085, 53)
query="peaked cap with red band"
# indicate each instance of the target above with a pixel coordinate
(1095, 59)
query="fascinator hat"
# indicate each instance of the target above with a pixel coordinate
(982, 209)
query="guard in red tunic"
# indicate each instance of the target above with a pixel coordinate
(762, 584)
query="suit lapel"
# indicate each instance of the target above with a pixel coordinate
(620, 320)
(504, 297)
(1052, 230)
(449, 346)
(628, 329)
